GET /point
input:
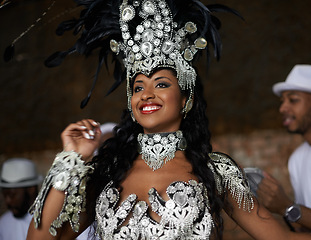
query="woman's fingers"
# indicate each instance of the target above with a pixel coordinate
(90, 128)
(81, 136)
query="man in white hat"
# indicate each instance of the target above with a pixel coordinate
(19, 182)
(295, 94)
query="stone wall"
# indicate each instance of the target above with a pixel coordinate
(268, 150)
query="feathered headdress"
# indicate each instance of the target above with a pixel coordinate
(144, 35)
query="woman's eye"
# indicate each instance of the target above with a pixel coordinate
(162, 85)
(137, 89)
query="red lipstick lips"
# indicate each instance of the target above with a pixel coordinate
(148, 108)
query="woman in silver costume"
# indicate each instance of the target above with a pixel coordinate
(157, 177)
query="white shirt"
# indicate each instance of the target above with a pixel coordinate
(299, 166)
(12, 228)
(88, 233)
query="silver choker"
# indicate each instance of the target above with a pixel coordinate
(159, 148)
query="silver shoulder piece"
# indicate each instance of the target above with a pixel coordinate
(68, 173)
(229, 176)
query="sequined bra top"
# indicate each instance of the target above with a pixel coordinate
(186, 215)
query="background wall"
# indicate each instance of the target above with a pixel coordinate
(36, 103)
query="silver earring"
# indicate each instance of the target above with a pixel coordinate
(188, 106)
(132, 116)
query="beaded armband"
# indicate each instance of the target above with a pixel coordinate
(68, 173)
(230, 176)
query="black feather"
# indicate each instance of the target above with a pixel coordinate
(118, 76)
(57, 58)
(66, 26)
(9, 53)
(223, 8)
(85, 101)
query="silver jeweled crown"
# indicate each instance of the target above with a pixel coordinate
(156, 43)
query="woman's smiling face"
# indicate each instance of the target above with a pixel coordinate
(157, 101)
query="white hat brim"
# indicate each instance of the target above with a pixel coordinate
(28, 183)
(280, 87)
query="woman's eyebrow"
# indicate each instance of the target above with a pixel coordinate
(138, 81)
(156, 79)
(159, 78)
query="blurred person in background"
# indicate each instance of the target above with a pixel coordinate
(295, 95)
(19, 182)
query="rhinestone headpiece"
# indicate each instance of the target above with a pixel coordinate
(144, 35)
(156, 43)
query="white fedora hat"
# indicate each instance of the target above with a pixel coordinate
(299, 79)
(19, 172)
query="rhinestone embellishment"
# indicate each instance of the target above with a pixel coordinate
(156, 43)
(157, 149)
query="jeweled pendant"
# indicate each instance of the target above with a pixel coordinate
(188, 55)
(167, 47)
(180, 198)
(200, 43)
(147, 24)
(190, 27)
(157, 149)
(147, 35)
(114, 46)
(138, 56)
(146, 48)
(149, 7)
(135, 48)
(128, 13)
(182, 145)
(140, 208)
(131, 57)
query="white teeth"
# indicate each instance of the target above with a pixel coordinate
(150, 108)
(287, 121)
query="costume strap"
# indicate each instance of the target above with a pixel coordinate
(68, 173)
(229, 176)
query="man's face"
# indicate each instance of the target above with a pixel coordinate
(296, 111)
(17, 200)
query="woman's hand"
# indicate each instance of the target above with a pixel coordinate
(82, 137)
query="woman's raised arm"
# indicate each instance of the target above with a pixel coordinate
(59, 209)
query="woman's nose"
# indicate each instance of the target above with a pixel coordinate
(147, 94)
